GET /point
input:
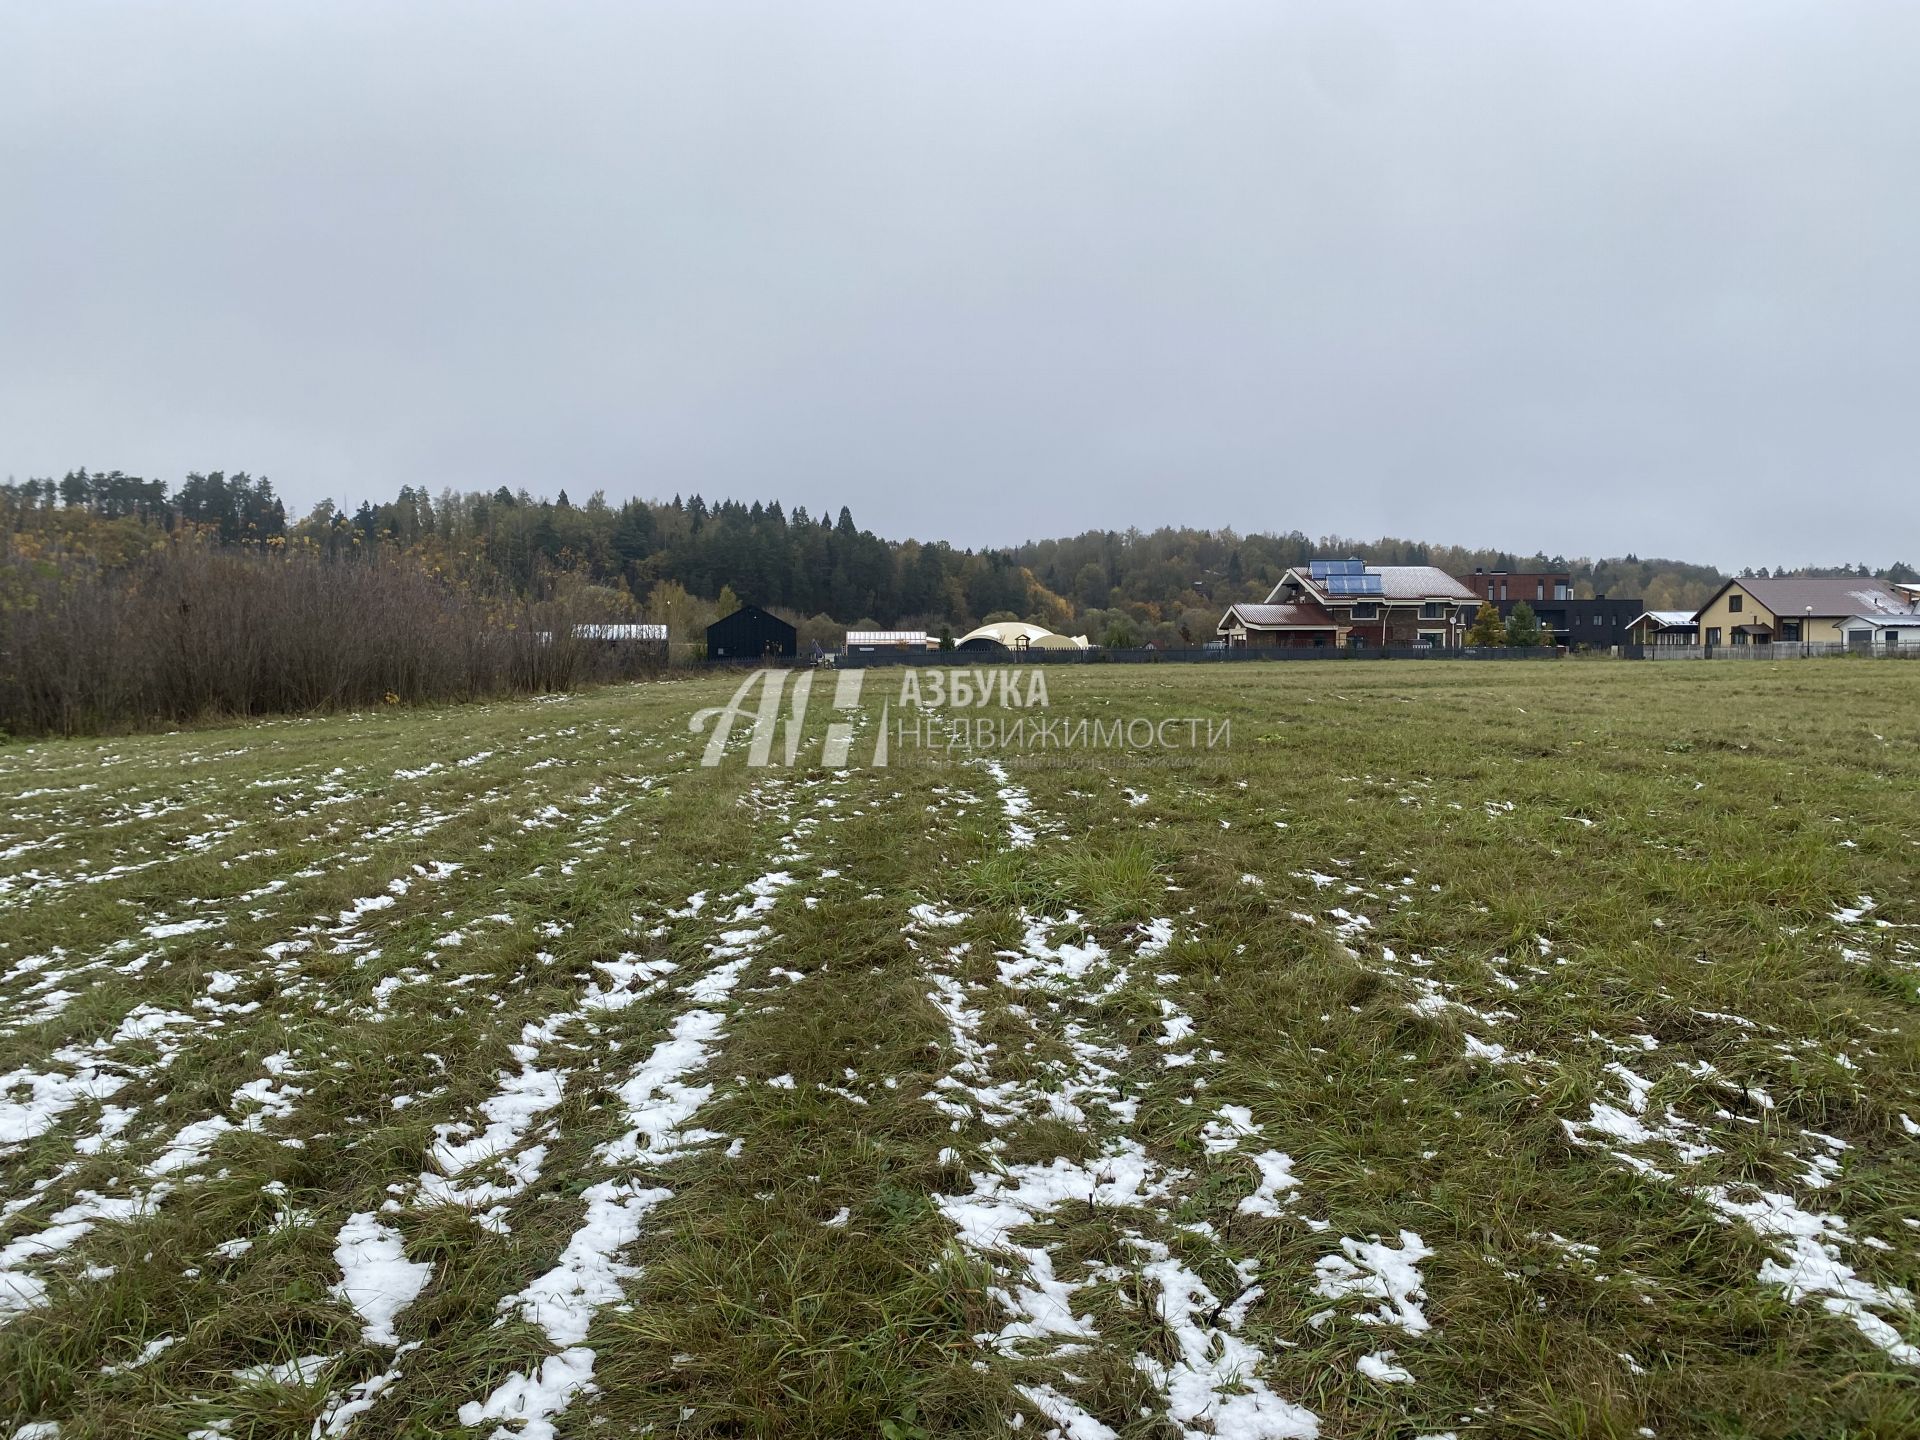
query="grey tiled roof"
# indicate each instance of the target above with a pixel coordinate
(1827, 595)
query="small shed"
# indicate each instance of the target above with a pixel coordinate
(750, 633)
(1664, 627)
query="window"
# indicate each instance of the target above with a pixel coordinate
(1734, 602)
(1366, 612)
(1540, 590)
(1430, 611)
(1503, 589)
(1789, 629)
(1713, 635)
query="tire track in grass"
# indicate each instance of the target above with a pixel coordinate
(68, 1076)
(1209, 1384)
(661, 1102)
(185, 1153)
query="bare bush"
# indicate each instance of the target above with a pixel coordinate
(191, 631)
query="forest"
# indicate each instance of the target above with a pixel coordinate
(115, 589)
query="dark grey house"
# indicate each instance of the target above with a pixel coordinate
(1596, 624)
(750, 633)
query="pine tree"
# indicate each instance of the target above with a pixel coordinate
(1523, 626)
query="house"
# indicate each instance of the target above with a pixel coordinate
(750, 633)
(1664, 627)
(1883, 632)
(1374, 605)
(1503, 587)
(1596, 624)
(1793, 609)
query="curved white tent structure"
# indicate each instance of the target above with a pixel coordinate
(1019, 635)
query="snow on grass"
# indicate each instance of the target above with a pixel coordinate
(20, 1289)
(1377, 1270)
(1210, 1386)
(1380, 1365)
(523, 1097)
(1808, 1259)
(1015, 804)
(31, 1101)
(660, 1101)
(1213, 1382)
(376, 1278)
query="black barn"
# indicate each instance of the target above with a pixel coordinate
(750, 633)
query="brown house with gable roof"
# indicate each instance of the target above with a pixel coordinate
(1348, 602)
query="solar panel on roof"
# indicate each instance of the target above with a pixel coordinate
(1326, 569)
(1353, 584)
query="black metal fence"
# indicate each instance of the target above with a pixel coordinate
(962, 659)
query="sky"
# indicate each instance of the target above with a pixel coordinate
(1581, 278)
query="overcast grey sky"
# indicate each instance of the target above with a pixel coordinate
(1587, 277)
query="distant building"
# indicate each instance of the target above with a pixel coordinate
(622, 637)
(1664, 627)
(1501, 586)
(622, 634)
(1378, 606)
(1017, 635)
(750, 633)
(1596, 624)
(1795, 609)
(873, 642)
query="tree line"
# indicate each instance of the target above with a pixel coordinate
(497, 566)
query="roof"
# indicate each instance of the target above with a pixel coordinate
(620, 632)
(750, 614)
(1280, 617)
(1825, 595)
(1670, 619)
(1908, 621)
(1018, 634)
(1397, 582)
(886, 637)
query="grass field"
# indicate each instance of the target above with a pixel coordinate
(1458, 1049)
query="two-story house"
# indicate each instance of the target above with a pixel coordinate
(1348, 602)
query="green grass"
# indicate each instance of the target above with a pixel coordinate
(1593, 866)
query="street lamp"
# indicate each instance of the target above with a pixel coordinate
(1806, 634)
